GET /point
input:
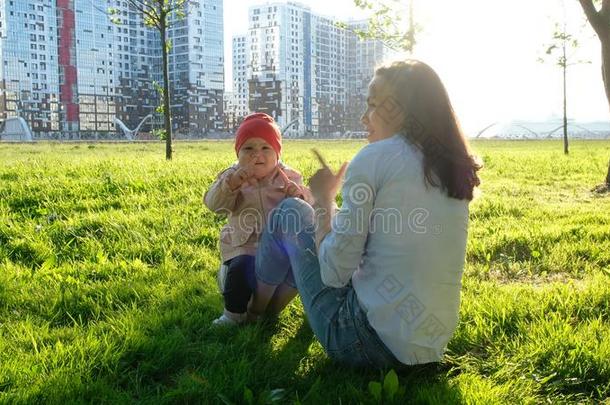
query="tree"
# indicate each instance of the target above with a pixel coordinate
(564, 44)
(157, 14)
(600, 22)
(386, 23)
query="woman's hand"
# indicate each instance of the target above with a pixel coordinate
(324, 184)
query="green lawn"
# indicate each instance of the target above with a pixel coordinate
(107, 284)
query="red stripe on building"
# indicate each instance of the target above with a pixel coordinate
(67, 51)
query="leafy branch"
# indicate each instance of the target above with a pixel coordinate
(387, 24)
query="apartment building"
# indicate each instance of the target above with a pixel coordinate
(30, 65)
(362, 57)
(196, 66)
(69, 69)
(303, 69)
(241, 68)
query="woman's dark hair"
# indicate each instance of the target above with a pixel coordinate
(431, 124)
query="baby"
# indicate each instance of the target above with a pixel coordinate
(246, 192)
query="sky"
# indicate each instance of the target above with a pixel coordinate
(486, 52)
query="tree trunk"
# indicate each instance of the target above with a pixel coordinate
(600, 22)
(565, 103)
(608, 176)
(166, 98)
(606, 65)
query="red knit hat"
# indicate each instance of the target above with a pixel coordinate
(259, 125)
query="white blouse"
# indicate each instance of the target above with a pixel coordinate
(402, 243)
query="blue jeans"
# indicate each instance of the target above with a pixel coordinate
(335, 315)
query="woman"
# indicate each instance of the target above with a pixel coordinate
(380, 278)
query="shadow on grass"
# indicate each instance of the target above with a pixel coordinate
(168, 352)
(184, 359)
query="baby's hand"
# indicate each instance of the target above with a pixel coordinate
(244, 174)
(291, 188)
(294, 190)
(239, 177)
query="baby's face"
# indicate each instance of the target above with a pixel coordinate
(258, 153)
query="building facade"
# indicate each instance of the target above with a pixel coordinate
(136, 58)
(71, 70)
(30, 65)
(196, 69)
(241, 72)
(230, 112)
(303, 69)
(362, 57)
(328, 66)
(88, 66)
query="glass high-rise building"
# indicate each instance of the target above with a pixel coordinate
(29, 64)
(279, 65)
(70, 71)
(136, 58)
(362, 57)
(241, 69)
(93, 53)
(303, 69)
(197, 68)
(329, 84)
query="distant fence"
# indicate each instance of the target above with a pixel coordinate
(20, 136)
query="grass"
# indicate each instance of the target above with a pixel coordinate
(107, 285)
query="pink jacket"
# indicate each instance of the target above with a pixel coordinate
(247, 208)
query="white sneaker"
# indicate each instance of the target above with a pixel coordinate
(224, 320)
(221, 277)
